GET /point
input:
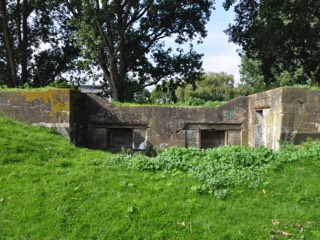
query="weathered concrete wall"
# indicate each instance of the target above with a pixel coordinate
(165, 126)
(50, 108)
(265, 119)
(283, 114)
(300, 114)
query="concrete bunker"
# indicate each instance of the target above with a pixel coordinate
(263, 119)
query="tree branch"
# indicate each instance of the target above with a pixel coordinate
(148, 85)
(106, 40)
(138, 15)
(71, 9)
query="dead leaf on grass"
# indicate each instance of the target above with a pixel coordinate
(283, 233)
(299, 226)
(275, 222)
(182, 223)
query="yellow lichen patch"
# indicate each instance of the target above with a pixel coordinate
(284, 91)
(30, 96)
(58, 100)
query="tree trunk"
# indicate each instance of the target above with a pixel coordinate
(114, 81)
(8, 44)
(110, 76)
(19, 22)
(24, 43)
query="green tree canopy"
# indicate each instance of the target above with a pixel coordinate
(164, 93)
(126, 39)
(251, 78)
(211, 87)
(282, 35)
(35, 47)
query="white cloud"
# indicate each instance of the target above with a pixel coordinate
(223, 63)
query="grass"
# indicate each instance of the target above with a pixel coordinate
(178, 104)
(22, 89)
(50, 189)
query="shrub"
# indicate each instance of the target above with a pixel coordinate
(223, 168)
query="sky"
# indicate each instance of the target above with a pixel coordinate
(219, 54)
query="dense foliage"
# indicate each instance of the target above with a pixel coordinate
(208, 90)
(282, 36)
(35, 44)
(221, 169)
(252, 80)
(210, 87)
(121, 43)
(126, 40)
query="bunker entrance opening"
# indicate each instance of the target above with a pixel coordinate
(212, 138)
(258, 132)
(119, 137)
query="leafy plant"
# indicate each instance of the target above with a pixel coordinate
(221, 169)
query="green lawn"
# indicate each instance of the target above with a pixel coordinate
(50, 189)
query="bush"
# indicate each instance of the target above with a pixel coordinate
(194, 101)
(223, 168)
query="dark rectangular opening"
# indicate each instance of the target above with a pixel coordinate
(119, 137)
(212, 138)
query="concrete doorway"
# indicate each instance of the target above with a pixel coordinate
(212, 138)
(259, 128)
(118, 138)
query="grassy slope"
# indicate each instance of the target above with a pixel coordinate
(50, 189)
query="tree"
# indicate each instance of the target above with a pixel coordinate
(251, 78)
(211, 87)
(36, 38)
(165, 93)
(7, 39)
(125, 38)
(283, 35)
